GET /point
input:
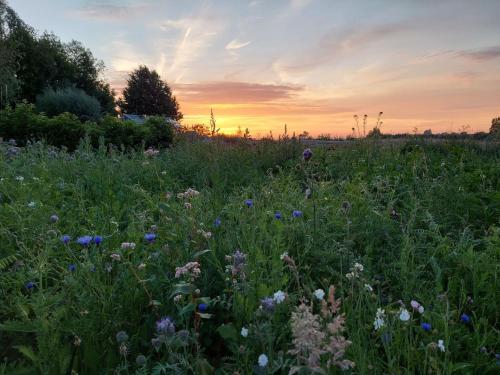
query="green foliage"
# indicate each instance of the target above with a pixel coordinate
(495, 127)
(160, 132)
(422, 219)
(147, 94)
(71, 100)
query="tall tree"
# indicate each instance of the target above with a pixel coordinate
(147, 94)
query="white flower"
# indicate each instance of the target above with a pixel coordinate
(319, 294)
(128, 245)
(368, 288)
(379, 321)
(141, 266)
(404, 315)
(244, 332)
(350, 275)
(441, 345)
(163, 172)
(421, 309)
(20, 178)
(358, 267)
(279, 296)
(115, 256)
(263, 360)
(31, 204)
(285, 254)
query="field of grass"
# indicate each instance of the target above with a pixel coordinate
(234, 276)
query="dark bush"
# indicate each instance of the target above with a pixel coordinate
(126, 133)
(160, 131)
(72, 100)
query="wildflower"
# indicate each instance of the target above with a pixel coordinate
(217, 222)
(72, 268)
(150, 237)
(285, 254)
(202, 307)
(426, 327)
(356, 271)
(97, 240)
(368, 288)
(249, 202)
(121, 337)
(358, 267)
(188, 206)
(379, 321)
(31, 204)
(308, 193)
(108, 267)
(156, 342)
(319, 294)
(77, 341)
(417, 306)
(141, 266)
(54, 219)
(263, 360)
(279, 297)
(65, 239)
(123, 349)
(404, 315)
(268, 304)
(441, 345)
(20, 178)
(151, 152)
(165, 326)
(84, 240)
(177, 298)
(244, 332)
(189, 193)
(116, 257)
(307, 154)
(192, 269)
(140, 360)
(164, 172)
(207, 235)
(297, 213)
(277, 215)
(127, 245)
(464, 318)
(30, 285)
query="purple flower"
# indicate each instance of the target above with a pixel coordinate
(72, 268)
(54, 219)
(30, 285)
(65, 239)
(464, 318)
(277, 215)
(426, 327)
(307, 154)
(268, 304)
(239, 259)
(249, 202)
(297, 213)
(217, 222)
(121, 337)
(150, 237)
(84, 240)
(165, 326)
(202, 307)
(97, 240)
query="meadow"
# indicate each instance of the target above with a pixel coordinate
(250, 257)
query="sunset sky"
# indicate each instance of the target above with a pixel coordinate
(311, 64)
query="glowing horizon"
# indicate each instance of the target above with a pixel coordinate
(310, 64)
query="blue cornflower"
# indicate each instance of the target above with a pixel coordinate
(121, 336)
(277, 215)
(426, 327)
(72, 268)
(84, 240)
(97, 240)
(249, 202)
(150, 237)
(54, 219)
(202, 307)
(307, 154)
(217, 222)
(30, 285)
(464, 318)
(297, 213)
(165, 325)
(65, 239)
(268, 304)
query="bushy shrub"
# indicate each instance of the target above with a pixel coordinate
(160, 132)
(126, 133)
(70, 99)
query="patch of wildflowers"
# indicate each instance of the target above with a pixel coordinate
(165, 326)
(268, 304)
(84, 240)
(127, 245)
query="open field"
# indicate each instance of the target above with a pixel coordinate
(105, 268)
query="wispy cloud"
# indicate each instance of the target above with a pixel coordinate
(236, 44)
(299, 4)
(110, 11)
(484, 54)
(235, 92)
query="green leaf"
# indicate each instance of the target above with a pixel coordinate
(200, 253)
(182, 289)
(163, 206)
(205, 316)
(188, 309)
(202, 367)
(16, 326)
(27, 352)
(228, 332)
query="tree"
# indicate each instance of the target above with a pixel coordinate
(147, 94)
(495, 127)
(72, 100)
